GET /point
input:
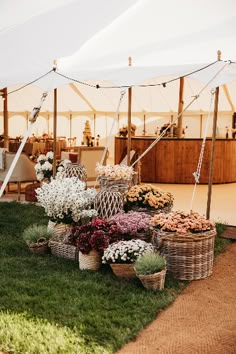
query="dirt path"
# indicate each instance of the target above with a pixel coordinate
(202, 320)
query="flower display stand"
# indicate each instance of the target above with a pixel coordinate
(123, 270)
(90, 261)
(154, 281)
(189, 256)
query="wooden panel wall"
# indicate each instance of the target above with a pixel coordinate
(175, 160)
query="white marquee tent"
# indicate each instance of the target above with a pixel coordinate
(166, 40)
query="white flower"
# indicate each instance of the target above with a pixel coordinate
(49, 155)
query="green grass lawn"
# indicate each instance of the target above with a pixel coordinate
(47, 305)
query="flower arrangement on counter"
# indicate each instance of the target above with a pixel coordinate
(115, 172)
(65, 200)
(126, 251)
(147, 196)
(124, 130)
(132, 224)
(181, 222)
(96, 235)
(44, 166)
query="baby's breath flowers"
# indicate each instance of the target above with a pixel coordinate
(65, 200)
(181, 222)
(126, 251)
(148, 196)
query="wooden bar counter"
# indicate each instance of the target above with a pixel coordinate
(174, 160)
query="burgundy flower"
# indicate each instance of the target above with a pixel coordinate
(99, 241)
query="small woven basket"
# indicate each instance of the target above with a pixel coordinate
(108, 202)
(90, 261)
(39, 247)
(59, 229)
(190, 256)
(154, 281)
(63, 250)
(123, 270)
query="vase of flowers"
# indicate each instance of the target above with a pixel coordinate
(91, 240)
(121, 256)
(149, 199)
(187, 242)
(123, 131)
(133, 225)
(66, 201)
(117, 175)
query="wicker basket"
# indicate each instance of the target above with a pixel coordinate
(122, 185)
(154, 281)
(123, 270)
(63, 250)
(153, 211)
(190, 256)
(59, 229)
(39, 247)
(90, 261)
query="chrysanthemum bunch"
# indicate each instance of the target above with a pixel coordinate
(132, 223)
(126, 251)
(44, 166)
(181, 222)
(148, 196)
(65, 200)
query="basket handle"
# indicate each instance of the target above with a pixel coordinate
(41, 239)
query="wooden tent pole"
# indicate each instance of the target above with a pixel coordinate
(5, 119)
(212, 147)
(129, 119)
(180, 107)
(55, 133)
(70, 125)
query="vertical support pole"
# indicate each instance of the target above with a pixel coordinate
(180, 107)
(129, 119)
(5, 119)
(144, 124)
(201, 117)
(94, 126)
(70, 125)
(212, 147)
(55, 133)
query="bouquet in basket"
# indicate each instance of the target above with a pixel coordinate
(147, 196)
(65, 200)
(114, 172)
(96, 235)
(126, 251)
(181, 222)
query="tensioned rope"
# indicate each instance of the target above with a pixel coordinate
(176, 119)
(196, 174)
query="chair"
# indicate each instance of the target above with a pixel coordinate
(89, 157)
(24, 170)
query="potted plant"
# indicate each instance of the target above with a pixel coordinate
(187, 242)
(91, 240)
(36, 237)
(67, 202)
(122, 255)
(148, 198)
(150, 268)
(133, 225)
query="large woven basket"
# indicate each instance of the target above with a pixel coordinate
(154, 281)
(90, 261)
(123, 270)
(63, 250)
(190, 256)
(75, 170)
(121, 184)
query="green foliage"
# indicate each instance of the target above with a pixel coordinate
(35, 232)
(150, 263)
(220, 228)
